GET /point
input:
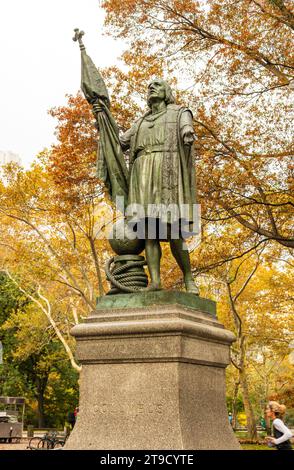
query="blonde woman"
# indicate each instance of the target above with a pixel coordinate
(282, 434)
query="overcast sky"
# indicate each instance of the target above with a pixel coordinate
(40, 64)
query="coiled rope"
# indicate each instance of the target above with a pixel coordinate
(129, 277)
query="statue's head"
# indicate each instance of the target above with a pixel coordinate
(159, 89)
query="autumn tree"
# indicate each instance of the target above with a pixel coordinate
(34, 362)
(51, 247)
(254, 295)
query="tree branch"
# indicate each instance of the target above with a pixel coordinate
(48, 314)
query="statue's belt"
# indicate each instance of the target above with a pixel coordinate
(149, 150)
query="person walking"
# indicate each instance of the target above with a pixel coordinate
(71, 419)
(76, 412)
(282, 434)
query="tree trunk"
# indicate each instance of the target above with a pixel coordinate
(97, 266)
(40, 398)
(267, 424)
(251, 423)
(234, 405)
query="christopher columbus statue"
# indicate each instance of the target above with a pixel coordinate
(159, 183)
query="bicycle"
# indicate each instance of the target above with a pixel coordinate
(49, 441)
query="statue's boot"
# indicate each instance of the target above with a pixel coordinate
(153, 286)
(191, 287)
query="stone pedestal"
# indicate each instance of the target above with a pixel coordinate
(153, 375)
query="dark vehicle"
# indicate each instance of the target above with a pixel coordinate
(11, 418)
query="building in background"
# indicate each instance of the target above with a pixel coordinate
(9, 157)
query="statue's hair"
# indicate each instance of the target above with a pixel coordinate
(169, 97)
(278, 409)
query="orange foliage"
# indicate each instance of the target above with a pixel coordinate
(72, 161)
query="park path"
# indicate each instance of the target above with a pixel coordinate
(22, 445)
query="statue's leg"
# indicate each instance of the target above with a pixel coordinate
(183, 259)
(153, 255)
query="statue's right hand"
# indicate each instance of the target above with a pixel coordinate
(97, 108)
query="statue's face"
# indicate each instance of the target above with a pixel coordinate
(156, 90)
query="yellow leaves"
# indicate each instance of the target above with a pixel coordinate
(46, 232)
(30, 330)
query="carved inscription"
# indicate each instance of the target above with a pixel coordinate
(130, 409)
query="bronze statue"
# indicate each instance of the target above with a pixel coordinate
(161, 169)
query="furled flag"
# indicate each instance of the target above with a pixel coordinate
(111, 166)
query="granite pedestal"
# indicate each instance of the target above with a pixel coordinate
(153, 374)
